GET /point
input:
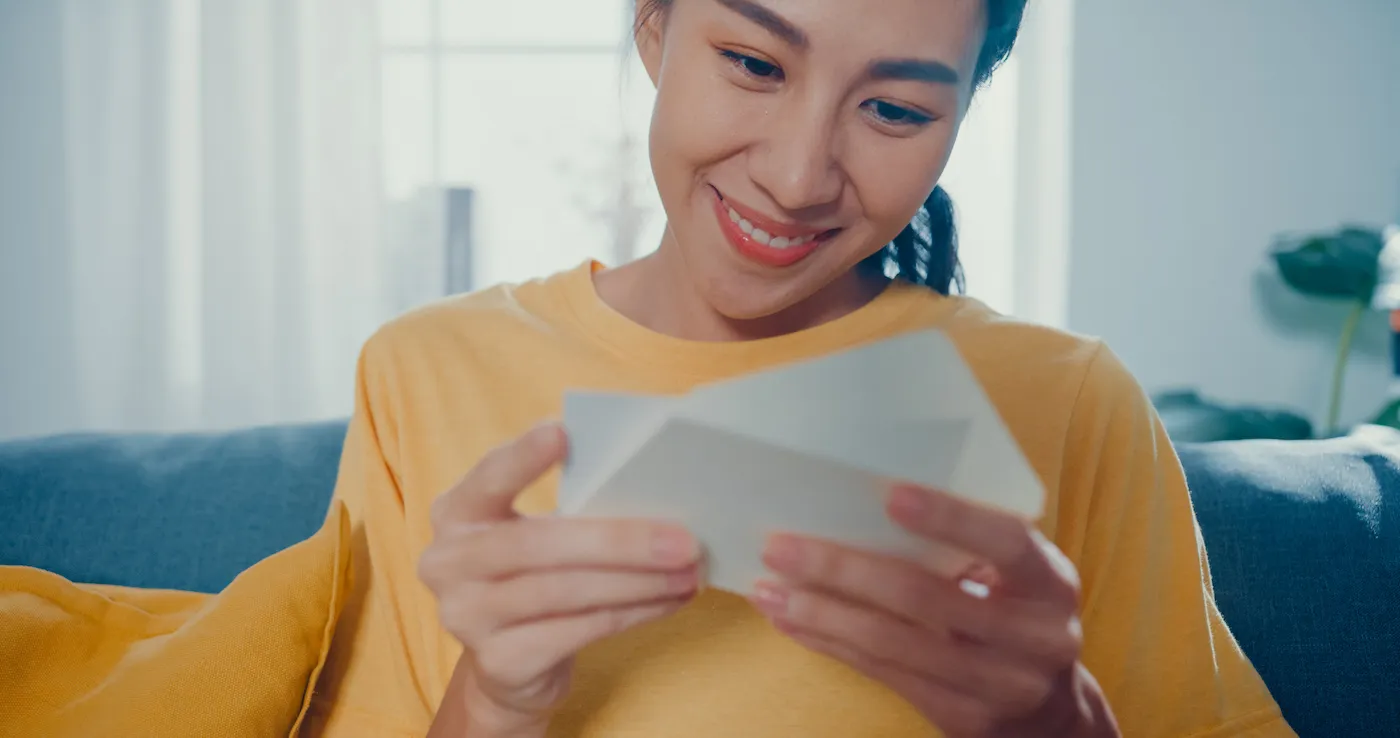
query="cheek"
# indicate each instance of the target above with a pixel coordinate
(697, 123)
(893, 177)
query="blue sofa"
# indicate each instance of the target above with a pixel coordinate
(1303, 536)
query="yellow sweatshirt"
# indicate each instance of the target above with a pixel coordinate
(440, 386)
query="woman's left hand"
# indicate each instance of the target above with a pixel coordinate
(1003, 661)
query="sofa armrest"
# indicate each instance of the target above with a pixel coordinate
(1304, 547)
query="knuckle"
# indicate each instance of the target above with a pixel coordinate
(1070, 645)
(638, 540)
(534, 535)
(437, 512)
(913, 596)
(541, 440)
(459, 616)
(804, 609)
(617, 542)
(1071, 592)
(953, 516)
(1028, 691)
(428, 570)
(827, 564)
(609, 535)
(1071, 585)
(495, 662)
(871, 632)
(605, 623)
(440, 510)
(979, 721)
(551, 593)
(1021, 546)
(617, 621)
(492, 473)
(968, 721)
(481, 551)
(626, 539)
(436, 567)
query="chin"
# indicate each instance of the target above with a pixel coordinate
(737, 300)
(740, 293)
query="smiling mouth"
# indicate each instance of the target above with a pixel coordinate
(765, 240)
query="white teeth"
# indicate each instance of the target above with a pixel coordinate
(785, 243)
(764, 237)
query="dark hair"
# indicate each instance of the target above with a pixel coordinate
(926, 251)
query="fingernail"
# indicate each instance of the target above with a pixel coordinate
(906, 502)
(673, 546)
(548, 433)
(682, 582)
(771, 599)
(783, 554)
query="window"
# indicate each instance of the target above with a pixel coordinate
(523, 104)
(544, 102)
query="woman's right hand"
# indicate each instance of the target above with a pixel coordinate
(523, 595)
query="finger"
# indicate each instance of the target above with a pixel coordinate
(952, 712)
(880, 638)
(517, 656)
(557, 593)
(487, 493)
(1020, 554)
(574, 543)
(1043, 635)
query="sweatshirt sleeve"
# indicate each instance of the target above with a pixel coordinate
(1154, 638)
(372, 684)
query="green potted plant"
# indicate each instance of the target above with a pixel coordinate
(1344, 265)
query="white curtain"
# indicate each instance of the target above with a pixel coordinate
(219, 259)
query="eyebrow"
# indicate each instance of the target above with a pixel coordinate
(917, 70)
(772, 22)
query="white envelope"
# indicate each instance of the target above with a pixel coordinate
(808, 448)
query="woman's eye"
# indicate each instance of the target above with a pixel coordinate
(753, 66)
(898, 115)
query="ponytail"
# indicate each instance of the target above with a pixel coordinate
(926, 251)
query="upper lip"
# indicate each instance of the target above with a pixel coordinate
(774, 228)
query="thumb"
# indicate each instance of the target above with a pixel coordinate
(487, 494)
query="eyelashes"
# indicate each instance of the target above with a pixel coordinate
(896, 114)
(883, 111)
(753, 66)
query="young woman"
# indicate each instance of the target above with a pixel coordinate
(796, 145)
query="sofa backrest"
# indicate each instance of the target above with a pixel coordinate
(184, 511)
(1303, 537)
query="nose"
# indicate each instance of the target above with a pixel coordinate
(796, 162)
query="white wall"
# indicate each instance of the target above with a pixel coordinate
(1202, 128)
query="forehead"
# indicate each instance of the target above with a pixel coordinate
(950, 31)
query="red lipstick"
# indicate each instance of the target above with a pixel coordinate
(766, 241)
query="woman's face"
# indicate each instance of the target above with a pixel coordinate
(820, 125)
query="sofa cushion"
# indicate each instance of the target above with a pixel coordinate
(86, 660)
(165, 511)
(1304, 546)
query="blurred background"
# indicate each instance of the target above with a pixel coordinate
(207, 205)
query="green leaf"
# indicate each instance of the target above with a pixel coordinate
(1344, 264)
